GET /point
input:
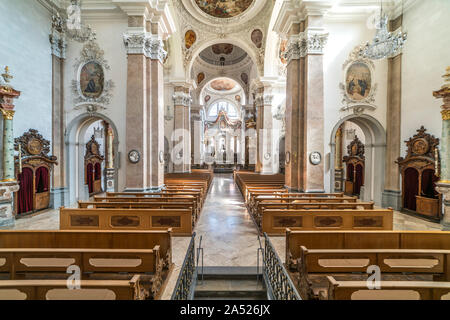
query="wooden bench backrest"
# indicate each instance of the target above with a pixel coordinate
(180, 220)
(89, 239)
(136, 205)
(49, 261)
(275, 222)
(364, 240)
(390, 290)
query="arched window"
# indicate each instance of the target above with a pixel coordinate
(229, 108)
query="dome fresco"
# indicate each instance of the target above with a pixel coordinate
(223, 54)
(224, 8)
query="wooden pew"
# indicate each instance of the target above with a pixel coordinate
(91, 239)
(142, 195)
(261, 203)
(390, 290)
(179, 220)
(46, 255)
(262, 207)
(139, 205)
(438, 240)
(58, 290)
(275, 222)
(162, 198)
(351, 264)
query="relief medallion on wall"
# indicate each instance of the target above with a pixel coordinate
(257, 38)
(223, 8)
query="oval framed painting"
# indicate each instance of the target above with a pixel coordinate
(190, 37)
(257, 38)
(358, 81)
(91, 80)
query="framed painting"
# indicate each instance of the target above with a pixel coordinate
(358, 81)
(190, 37)
(92, 80)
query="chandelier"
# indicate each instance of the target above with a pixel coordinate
(385, 44)
(72, 27)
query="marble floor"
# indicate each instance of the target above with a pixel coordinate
(229, 236)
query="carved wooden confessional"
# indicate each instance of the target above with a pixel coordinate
(33, 172)
(418, 171)
(355, 164)
(93, 166)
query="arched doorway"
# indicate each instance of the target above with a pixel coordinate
(77, 135)
(375, 147)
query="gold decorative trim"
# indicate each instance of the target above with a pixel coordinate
(8, 114)
(445, 114)
(9, 180)
(443, 181)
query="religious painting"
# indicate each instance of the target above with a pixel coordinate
(223, 85)
(238, 98)
(244, 78)
(283, 48)
(189, 38)
(207, 98)
(222, 48)
(358, 81)
(92, 80)
(200, 77)
(257, 38)
(224, 8)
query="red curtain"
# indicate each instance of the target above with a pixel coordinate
(98, 171)
(90, 177)
(42, 180)
(25, 194)
(359, 181)
(411, 188)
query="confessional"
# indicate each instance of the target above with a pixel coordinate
(33, 169)
(93, 167)
(355, 164)
(419, 176)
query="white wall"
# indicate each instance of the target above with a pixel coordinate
(343, 38)
(25, 48)
(425, 58)
(110, 39)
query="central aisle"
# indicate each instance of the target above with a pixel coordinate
(229, 234)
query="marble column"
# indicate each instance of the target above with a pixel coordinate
(391, 196)
(137, 112)
(305, 105)
(156, 57)
(264, 125)
(443, 186)
(182, 123)
(59, 194)
(8, 183)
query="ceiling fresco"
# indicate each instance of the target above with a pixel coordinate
(223, 84)
(223, 54)
(223, 8)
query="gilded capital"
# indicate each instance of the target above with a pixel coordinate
(445, 114)
(8, 114)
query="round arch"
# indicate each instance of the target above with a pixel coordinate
(375, 149)
(74, 153)
(237, 42)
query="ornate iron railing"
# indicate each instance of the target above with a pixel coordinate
(279, 284)
(184, 289)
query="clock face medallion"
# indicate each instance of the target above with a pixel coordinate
(315, 158)
(134, 156)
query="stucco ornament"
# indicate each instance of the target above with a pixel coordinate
(85, 86)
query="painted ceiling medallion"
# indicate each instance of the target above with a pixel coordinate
(224, 8)
(223, 85)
